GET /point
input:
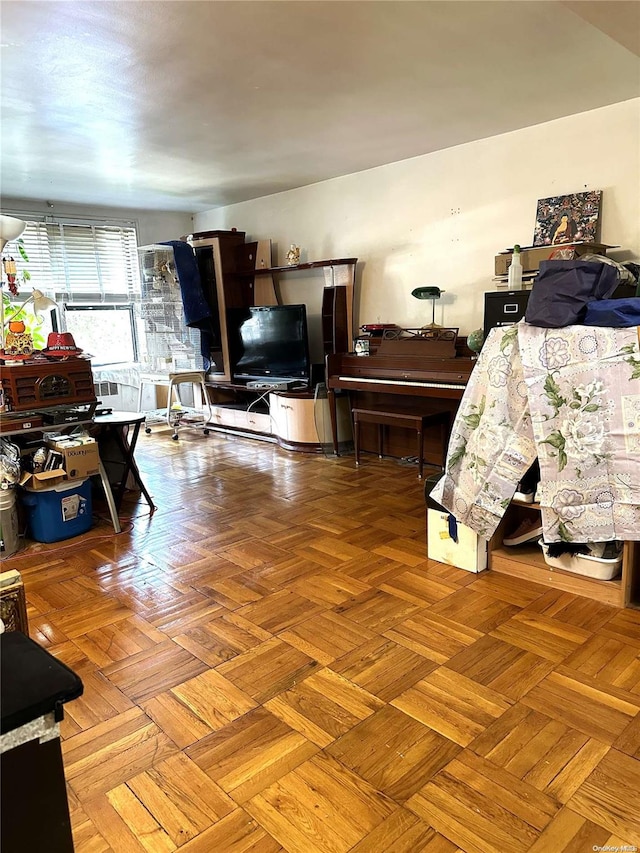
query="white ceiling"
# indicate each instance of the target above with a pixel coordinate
(192, 105)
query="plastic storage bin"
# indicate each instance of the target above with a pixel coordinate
(583, 564)
(59, 512)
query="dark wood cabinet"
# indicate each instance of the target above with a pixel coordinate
(227, 268)
(237, 274)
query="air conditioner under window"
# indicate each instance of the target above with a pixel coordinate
(106, 389)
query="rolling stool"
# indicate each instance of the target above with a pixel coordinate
(156, 416)
(176, 418)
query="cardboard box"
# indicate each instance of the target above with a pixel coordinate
(44, 480)
(531, 257)
(468, 553)
(78, 460)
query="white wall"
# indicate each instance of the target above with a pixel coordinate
(441, 218)
(153, 225)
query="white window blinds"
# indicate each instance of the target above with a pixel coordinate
(82, 263)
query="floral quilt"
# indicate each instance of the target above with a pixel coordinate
(569, 396)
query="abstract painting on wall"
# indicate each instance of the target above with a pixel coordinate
(568, 219)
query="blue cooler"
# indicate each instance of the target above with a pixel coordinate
(59, 512)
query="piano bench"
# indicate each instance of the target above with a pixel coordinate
(410, 420)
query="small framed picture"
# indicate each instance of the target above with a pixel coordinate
(361, 346)
(568, 219)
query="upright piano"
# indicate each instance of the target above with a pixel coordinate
(405, 375)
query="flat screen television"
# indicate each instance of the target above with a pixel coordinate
(269, 342)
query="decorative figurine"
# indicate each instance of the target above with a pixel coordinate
(18, 341)
(293, 255)
(10, 270)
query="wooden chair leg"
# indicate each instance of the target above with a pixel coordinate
(420, 453)
(356, 438)
(380, 441)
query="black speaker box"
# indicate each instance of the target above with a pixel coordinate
(317, 374)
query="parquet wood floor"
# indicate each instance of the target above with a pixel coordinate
(271, 663)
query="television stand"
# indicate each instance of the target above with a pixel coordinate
(238, 409)
(286, 417)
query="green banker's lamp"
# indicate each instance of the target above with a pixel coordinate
(431, 293)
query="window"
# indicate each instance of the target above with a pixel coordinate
(107, 332)
(91, 270)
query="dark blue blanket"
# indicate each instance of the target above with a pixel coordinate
(197, 314)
